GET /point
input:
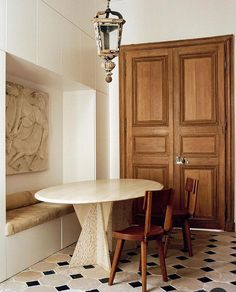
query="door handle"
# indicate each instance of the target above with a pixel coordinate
(181, 160)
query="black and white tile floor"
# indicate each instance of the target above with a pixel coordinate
(212, 266)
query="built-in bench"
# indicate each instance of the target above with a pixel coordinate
(34, 230)
(24, 211)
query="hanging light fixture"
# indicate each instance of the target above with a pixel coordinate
(108, 31)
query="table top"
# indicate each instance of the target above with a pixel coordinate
(97, 191)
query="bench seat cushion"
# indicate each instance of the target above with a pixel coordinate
(26, 217)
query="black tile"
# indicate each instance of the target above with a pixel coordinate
(233, 254)
(233, 247)
(76, 276)
(234, 241)
(210, 252)
(151, 264)
(62, 288)
(233, 283)
(211, 245)
(94, 290)
(49, 272)
(209, 260)
(207, 269)
(174, 277)
(32, 283)
(234, 262)
(200, 290)
(205, 279)
(118, 270)
(147, 273)
(233, 272)
(89, 267)
(155, 255)
(168, 288)
(104, 280)
(135, 284)
(125, 261)
(212, 240)
(131, 253)
(61, 264)
(182, 258)
(178, 267)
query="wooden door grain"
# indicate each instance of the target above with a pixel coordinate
(199, 119)
(148, 140)
(176, 99)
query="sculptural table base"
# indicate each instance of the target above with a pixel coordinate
(92, 246)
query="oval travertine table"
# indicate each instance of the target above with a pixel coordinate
(92, 201)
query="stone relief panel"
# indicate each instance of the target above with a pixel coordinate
(26, 129)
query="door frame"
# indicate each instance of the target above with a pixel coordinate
(228, 41)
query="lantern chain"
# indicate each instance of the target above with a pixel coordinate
(108, 4)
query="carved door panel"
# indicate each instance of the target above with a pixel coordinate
(173, 104)
(148, 116)
(199, 127)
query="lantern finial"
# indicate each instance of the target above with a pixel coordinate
(108, 31)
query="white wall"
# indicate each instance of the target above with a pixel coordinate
(79, 138)
(163, 20)
(2, 169)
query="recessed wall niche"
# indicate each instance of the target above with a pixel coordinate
(26, 129)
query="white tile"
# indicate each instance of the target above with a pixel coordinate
(71, 50)
(49, 38)
(88, 64)
(21, 28)
(3, 24)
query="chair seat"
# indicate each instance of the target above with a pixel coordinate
(136, 232)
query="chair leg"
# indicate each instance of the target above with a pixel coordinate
(144, 265)
(167, 241)
(162, 259)
(188, 237)
(118, 249)
(185, 248)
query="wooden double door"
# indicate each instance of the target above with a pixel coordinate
(176, 121)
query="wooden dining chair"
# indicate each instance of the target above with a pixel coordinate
(181, 217)
(146, 232)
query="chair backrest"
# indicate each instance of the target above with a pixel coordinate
(191, 188)
(160, 203)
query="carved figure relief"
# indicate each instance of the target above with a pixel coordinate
(26, 129)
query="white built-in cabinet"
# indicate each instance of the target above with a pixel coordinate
(49, 45)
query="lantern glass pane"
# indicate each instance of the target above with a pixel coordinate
(109, 36)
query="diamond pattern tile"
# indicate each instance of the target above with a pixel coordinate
(89, 267)
(135, 284)
(178, 267)
(76, 276)
(32, 283)
(62, 288)
(207, 269)
(182, 258)
(168, 288)
(48, 273)
(205, 279)
(174, 277)
(212, 265)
